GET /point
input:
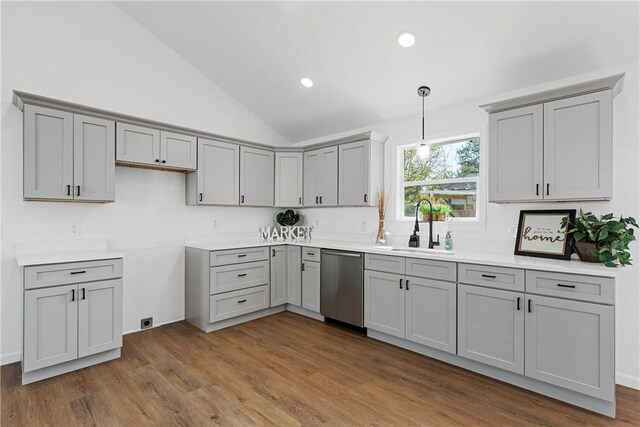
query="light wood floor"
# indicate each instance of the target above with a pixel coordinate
(281, 370)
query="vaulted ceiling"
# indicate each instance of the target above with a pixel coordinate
(258, 51)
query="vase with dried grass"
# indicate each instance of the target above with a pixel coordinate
(383, 238)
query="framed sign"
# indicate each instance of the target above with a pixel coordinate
(540, 234)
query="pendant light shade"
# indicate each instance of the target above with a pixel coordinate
(423, 146)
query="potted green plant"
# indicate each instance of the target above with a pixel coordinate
(603, 239)
(424, 210)
(441, 211)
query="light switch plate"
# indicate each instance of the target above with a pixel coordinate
(75, 228)
(513, 230)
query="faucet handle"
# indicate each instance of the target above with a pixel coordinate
(437, 242)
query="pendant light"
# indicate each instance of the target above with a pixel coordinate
(423, 146)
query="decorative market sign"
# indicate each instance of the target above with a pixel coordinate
(286, 233)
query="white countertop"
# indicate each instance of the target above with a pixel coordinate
(500, 260)
(39, 258)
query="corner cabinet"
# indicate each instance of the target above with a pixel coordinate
(217, 180)
(256, 177)
(288, 179)
(559, 148)
(321, 177)
(360, 173)
(68, 157)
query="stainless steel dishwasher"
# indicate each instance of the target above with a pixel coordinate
(342, 286)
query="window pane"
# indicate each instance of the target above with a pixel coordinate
(460, 197)
(458, 159)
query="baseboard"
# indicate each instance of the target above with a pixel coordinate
(10, 358)
(628, 380)
(157, 325)
(304, 312)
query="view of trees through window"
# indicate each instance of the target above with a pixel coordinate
(447, 175)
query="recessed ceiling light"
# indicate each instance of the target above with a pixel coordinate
(306, 82)
(406, 39)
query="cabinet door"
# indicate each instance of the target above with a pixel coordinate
(278, 275)
(384, 303)
(294, 275)
(570, 344)
(312, 178)
(311, 286)
(99, 316)
(94, 158)
(578, 151)
(353, 175)
(256, 177)
(515, 155)
(50, 326)
(218, 176)
(431, 313)
(177, 150)
(491, 327)
(329, 177)
(137, 144)
(48, 153)
(288, 179)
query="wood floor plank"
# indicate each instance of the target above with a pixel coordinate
(282, 370)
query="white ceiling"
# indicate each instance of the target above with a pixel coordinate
(257, 52)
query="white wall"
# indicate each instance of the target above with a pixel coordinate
(94, 54)
(491, 233)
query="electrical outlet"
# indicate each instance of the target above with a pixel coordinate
(215, 224)
(75, 228)
(364, 226)
(317, 226)
(146, 323)
(513, 230)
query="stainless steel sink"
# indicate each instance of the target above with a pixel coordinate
(421, 251)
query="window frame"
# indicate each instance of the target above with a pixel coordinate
(401, 184)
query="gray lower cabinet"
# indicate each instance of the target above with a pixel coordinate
(279, 275)
(68, 156)
(256, 177)
(217, 180)
(294, 275)
(571, 344)
(311, 286)
(67, 322)
(491, 327)
(384, 303)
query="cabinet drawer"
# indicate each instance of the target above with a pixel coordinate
(232, 277)
(384, 263)
(40, 276)
(235, 256)
(573, 286)
(431, 269)
(493, 277)
(232, 304)
(311, 254)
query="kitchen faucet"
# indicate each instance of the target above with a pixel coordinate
(414, 239)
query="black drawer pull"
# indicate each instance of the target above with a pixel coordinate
(566, 286)
(311, 253)
(242, 275)
(537, 189)
(518, 304)
(365, 198)
(529, 308)
(316, 200)
(320, 199)
(78, 191)
(242, 255)
(547, 188)
(241, 301)
(73, 294)
(68, 190)
(489, 276)
(78, 272)
(200, 196)
(401, 283)
(407, 285)
(84, 293)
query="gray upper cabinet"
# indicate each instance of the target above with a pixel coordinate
(279, 293)
(491, 327)
(99, 316)
(177, 151)
(321, 177)
(50, 326)
(555, 150)
(94, 154)
(137, 144)
(256, 177)
(515, 155)
(294, 275)
(143, 146)
(67, 156)
(570, 344)
(578, 148)
(288, 180)
(217, 180)
(48, 153)
(360, 173)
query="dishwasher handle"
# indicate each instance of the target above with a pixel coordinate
(351, 254)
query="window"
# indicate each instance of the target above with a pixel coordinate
(447, 175)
